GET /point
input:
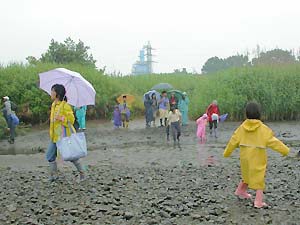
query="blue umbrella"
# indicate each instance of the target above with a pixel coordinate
(223, 117)
(150, 93)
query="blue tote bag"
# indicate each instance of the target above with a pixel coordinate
(73, 147)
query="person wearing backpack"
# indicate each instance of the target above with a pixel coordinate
(8, 113)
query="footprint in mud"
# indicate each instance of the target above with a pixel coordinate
(286, 134)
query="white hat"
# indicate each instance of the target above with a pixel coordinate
(6, 98)
(184, 93)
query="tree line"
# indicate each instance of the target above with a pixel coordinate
(69, 51)
(272, 57)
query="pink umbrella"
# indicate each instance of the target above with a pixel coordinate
(79, 91)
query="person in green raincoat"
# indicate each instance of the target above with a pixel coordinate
(183, 106)
(80, 113)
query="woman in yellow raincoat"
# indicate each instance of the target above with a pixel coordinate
(60, 117)
(253, 138)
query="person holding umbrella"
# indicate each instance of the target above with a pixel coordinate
(163, 105)
(154, 108)
(148, 110)
(60, 117)
(62, 84)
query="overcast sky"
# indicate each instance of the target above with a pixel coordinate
(185, 33)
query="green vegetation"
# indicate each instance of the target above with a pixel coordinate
(275, 87)
(66, 52)
(273, 57)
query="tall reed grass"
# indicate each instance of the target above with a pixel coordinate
(276, 88)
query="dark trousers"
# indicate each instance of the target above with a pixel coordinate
(175, 129)
(213, 124)
(11, 126)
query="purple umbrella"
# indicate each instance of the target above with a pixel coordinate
(223, 117)
(79, 91)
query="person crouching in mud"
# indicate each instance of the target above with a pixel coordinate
(174, 121)
(213, 113)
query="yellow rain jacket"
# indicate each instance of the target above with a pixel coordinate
(253, 137)
(60, 108)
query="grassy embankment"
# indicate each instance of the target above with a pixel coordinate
(275, 87)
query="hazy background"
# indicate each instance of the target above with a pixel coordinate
(185, 33)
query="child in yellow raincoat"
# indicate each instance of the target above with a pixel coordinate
(253, 138)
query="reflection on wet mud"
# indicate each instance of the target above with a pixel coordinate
(204, 157)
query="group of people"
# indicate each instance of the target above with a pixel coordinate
(160, 108)
(252, 136)
(212, 116)
(172, 112)
(121, 114)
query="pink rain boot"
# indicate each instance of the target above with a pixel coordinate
(241, 191)
(258, 203)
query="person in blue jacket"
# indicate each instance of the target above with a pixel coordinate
(183, 106)
(80, 113)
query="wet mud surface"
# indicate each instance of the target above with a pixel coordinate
(136, 176)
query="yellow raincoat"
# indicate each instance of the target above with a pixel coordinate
(62, 109)
(253, 137)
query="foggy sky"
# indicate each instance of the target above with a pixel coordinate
(185, 33)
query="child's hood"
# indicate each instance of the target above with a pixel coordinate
(251, 125)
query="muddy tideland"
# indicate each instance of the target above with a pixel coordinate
(136, 176)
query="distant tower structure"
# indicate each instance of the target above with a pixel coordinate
(143, 66)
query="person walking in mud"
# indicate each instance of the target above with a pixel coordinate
(183, 106)
(213, 114)
(154, 108)
(61, 116)
(125, 112)
(174, 121)
(80, 113)
(253, 138)
(7, 114)
(163, 106)
(148, 110)
(201, 128)
(117, 117)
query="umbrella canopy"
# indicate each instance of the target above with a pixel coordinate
(129, 98)
(79, 91)
(223, 117)
(178, 94)
(162, 86)
(150, 93)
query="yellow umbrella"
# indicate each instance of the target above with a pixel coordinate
(129, 98)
